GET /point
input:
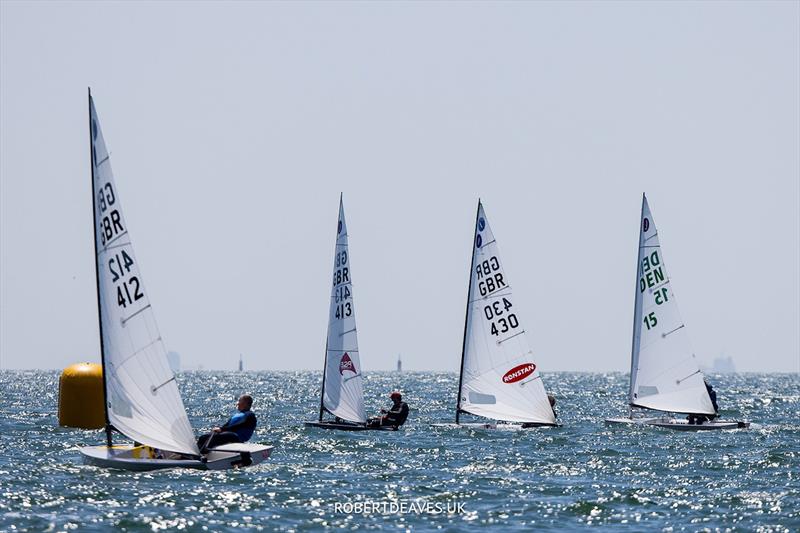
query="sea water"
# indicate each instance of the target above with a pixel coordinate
(584, 474)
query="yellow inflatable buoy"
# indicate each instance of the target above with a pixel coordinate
(80, 396)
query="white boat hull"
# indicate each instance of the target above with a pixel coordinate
(502, 426)
(142, 458)
(679, 424)
(632, 421)
(348, 426)
(684, 425)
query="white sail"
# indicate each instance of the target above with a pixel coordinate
(343, 393)
(143, 400)
(664, 372)
(499, 378)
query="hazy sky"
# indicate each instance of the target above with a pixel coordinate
(233, 127)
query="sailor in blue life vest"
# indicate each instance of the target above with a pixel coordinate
(699, 419)
(396, 416)
(238, 428)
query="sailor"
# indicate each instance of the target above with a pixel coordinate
(552, 400)
(713, 395)
(238, 428)
(395, 416)
(699, 419)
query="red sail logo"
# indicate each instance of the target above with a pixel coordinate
(519, 373)
(346, 364)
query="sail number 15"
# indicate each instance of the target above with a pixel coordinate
(650, 320)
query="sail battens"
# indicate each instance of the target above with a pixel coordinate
(499, 378)
(114, 247)
(655, 288)
(107, 244)
(156, 387)
(664, 335)
(121, 362)
(511, 337)
(492, 296)
(687, 377)
(124, 320)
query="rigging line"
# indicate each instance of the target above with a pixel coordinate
(105, 247)
(106, 158)
(154, 388)
(687, 377)
(124, 320)
(511, 337)
(664, 335)
(487, 244)
(342, 334)
(651, 236)
(650, 246)
(345, 380)
(346, 351)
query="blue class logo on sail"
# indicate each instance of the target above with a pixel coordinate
(481, 224)
(645, 225)
(339, 228)
(478, 241)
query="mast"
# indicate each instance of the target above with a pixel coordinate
(466, 315)
(325, 361)
(108, 427)
(324, 371)
(634, 359)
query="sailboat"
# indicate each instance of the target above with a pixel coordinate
(141, 396)
(499, 379)
(342, 394)
(665, 375)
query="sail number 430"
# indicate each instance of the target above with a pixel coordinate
(503, 323)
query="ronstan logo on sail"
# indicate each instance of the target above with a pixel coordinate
(346, 364)
(518, 373)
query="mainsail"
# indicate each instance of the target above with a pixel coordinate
(342, 389)
(142, 397)
(664, 372)
(499, 378)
